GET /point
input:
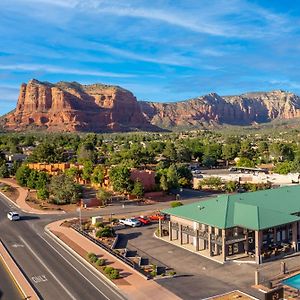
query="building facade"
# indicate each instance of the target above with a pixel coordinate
(257, 226)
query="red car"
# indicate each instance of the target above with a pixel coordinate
(156, 217)
(143, 220)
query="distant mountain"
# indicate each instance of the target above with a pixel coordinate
(70, 106)
(213, 110)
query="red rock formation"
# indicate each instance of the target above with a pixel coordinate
(74, 107)
(212, 109)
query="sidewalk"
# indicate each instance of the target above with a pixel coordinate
(27, 290)
(21, 200)
(133, 285)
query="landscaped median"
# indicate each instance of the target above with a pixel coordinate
(129, 281)
(17, 275)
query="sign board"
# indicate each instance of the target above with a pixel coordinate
(274, 294)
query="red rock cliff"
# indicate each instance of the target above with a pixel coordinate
(74, 107)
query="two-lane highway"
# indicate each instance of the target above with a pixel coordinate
(53, 271)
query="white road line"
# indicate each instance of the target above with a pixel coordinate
(43, 264)
(78, 270)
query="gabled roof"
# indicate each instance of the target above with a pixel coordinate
(255, 210)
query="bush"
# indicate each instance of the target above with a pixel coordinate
(100, 262)
(111, 272)
(114, 274)
(172, 273)
(108, 270)
(153, 273)
(99, 224)
(90, 254)
(176, 204)
(105, 232)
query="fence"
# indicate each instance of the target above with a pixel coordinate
(124, 259)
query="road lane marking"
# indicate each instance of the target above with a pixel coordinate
(45, 266)
(39, 278)
(17, 245)
(104, 283)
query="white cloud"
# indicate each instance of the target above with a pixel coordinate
(60, 70)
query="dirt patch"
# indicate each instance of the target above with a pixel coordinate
(11, 192)
(36, 203)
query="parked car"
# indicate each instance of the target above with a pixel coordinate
(133, 222)
(13, 216)
(143, 220)
(156, 217)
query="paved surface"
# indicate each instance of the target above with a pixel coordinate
(8, 289)
(133, 285)
(16, 274)
(197, 277)
(50, 269)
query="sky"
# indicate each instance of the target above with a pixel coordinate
(160, 50)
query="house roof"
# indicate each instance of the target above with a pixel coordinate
(254, 210)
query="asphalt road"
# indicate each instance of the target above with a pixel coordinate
(53, 272)
(8, 289)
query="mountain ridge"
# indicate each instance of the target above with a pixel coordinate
(71, 106)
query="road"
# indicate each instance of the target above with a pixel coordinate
(53, 272)
(8, 289)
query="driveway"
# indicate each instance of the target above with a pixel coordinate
(197, 277)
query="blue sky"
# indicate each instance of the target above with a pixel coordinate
(160, 50)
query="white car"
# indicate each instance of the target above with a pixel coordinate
(130, 222)
(13, 216)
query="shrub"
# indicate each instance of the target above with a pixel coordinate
(153, 273)
(99, 224)
(93, 259)
(176, 204)
(114, 274)
(105, 232)
(172, 273)
(90, 254)
(108, 270)
(100, 262)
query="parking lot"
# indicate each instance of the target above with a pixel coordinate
(197, 277)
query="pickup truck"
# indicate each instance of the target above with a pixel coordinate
(130, 222)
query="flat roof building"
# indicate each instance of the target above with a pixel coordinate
(258, 226)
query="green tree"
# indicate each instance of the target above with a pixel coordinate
(87, 170)
(22, 175)
(138, 189)
(164, 183)
(103, 196)
(4, 172)
(245, 162)
(172, 177)
(98, 174)
(64, 189)
(120, 178)
(283, 167)
(43, 193)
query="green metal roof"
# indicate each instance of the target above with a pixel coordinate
(255, 210)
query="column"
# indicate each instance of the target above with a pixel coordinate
(170, 231)
(209, 241)
(216, 245)
(224, 244)
(197, 240)
(246, 242)
(294, 236)
(180, 234)
(258, 243)
(275, 234)
(160, 228)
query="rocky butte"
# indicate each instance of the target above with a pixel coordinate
(70, 106)
(74, 107)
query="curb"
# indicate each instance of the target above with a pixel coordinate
(74, 253)
(14, 203)
(34, 294)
